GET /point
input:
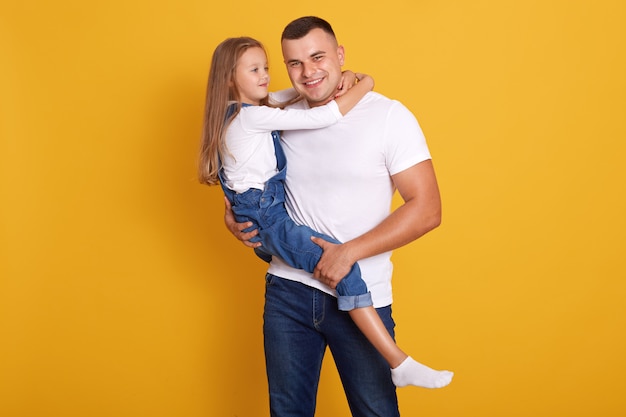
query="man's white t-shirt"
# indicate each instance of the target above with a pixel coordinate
(338, 180)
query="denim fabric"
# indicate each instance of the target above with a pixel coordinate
(299, 322)
(282, 237)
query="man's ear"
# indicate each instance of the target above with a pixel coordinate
(341, 53)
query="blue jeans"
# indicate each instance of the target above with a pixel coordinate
(282, 237)
(299, 322)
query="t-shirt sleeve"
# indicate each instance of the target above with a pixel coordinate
(405, 144)
(263, 118)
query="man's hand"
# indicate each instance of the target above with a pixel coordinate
(334, 264)
(237, 228)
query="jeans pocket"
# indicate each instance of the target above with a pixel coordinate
(269, 279)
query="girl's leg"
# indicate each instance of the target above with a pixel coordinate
(405, 370)
(365, 375)
(370, 324)
(293, 244)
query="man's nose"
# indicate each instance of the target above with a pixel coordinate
(308, 69)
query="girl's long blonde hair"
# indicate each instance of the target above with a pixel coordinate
(221, 89)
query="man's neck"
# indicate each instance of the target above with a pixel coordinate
(320, 103)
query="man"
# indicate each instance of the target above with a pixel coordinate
(340, 181)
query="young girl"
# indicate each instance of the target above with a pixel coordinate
(241, 151)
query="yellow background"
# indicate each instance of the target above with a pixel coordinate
(121, 293)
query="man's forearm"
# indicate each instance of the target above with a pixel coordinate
(420, 213)
(407, 223)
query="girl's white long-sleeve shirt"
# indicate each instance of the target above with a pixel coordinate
(250, 160)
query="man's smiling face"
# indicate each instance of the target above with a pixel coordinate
(314, 65)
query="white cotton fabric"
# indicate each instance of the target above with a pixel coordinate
(250, 160)
(338, 180)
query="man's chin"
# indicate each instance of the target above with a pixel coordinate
(317, 99)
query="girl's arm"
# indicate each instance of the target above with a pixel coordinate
(264, 118)
(349, 99)
(281, 97)
(348, 80)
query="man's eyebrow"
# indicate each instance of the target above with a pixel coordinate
(316, 53)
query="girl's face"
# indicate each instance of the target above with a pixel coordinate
(251, 76)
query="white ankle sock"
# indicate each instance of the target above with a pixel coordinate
(411, 372)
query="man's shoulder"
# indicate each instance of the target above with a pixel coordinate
(377, 102)
(376, 98)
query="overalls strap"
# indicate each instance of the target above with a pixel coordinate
(281, 161)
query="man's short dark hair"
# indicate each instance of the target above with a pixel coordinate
(299, 28)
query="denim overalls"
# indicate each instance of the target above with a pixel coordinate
(281, 236)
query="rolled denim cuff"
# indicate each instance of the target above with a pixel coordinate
(350, 302)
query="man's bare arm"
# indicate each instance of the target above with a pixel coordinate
(236, 228)
(420, 213)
